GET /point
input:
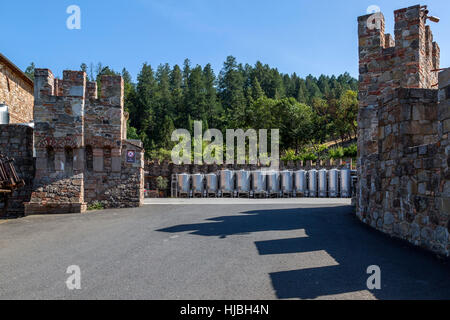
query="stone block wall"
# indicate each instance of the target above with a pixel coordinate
(80, 150)
(403, 185)
(16, 141)
(16, 91)
(401, 192)
(120, 188)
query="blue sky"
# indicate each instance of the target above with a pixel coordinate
(302, 36)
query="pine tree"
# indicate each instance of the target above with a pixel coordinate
(231, 91)
(146, 92)
(257, 91)
(176, 88)
(213, 108)
(195, 97)
(163, 101)
(129, 92)
(186, 72)
(166, 133)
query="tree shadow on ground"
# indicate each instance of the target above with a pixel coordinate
(406, 272)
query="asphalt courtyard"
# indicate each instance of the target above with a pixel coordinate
(213, 249)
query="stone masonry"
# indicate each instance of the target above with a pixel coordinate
(16, 141)
(16, 91)
(404, 182)
(82, 155)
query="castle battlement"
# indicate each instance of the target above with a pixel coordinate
(80, 143)
(403, 131)
(409, 60)
(75, 114)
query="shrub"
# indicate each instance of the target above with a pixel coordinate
(289, 156)
(308, 156)
(160, 154)
(336, 153)
(351, 151)
(96, 205)
(162, 183)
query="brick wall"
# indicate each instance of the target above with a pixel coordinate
(16, 92)
(16, 141)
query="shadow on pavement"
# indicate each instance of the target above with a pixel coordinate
(406, 272)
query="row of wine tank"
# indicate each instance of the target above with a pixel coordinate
(312, 183)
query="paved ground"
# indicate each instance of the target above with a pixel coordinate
(211, 251)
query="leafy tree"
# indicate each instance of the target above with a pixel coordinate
(29, 71)
(346, 115)
(132, 133)
(299, 127)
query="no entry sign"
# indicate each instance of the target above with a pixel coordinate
(131, 156)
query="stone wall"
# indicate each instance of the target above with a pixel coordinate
(165, 169)
(403, 186)
(16, 141)
(58, 115)
(16, 91)
(81, 156)
(123, 188)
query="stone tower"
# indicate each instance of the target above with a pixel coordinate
(59, 143)
(385, 63)
(82, 155)
(403, 176)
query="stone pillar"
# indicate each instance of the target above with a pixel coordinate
(41, 163)
(74, 84)
(91, 90)
(78, 160)
(98, 159)
(116, 160)
(415, 46)
(44, 82)
(112, 91)
(436, 55)
(371, 42)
